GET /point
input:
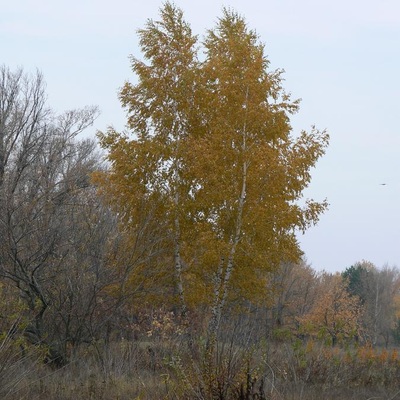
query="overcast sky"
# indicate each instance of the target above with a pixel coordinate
(341, 57)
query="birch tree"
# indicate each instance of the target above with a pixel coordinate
(252, 170)
(212, 147)
(161, 116)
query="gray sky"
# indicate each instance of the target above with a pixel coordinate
(341, 57)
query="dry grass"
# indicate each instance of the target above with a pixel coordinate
(170, 369)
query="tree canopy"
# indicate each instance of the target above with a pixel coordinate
(211, 155)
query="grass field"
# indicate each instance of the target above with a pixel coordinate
(176, 369)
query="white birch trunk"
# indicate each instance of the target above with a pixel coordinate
(178, 269)
(221, 293)
(177, 237)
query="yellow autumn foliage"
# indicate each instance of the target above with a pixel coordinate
(336, 314)
(210, 173)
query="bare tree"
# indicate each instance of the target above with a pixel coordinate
(22, 113)
(377, 288)
(54, 229)
(294, 287)
(381, 285)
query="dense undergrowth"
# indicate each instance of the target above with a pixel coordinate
(181, 368)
